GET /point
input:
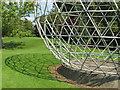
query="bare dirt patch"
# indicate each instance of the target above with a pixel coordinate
(58, 76)
(81, 79)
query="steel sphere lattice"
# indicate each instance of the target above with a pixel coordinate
(83, 35)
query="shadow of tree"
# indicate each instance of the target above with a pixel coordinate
(13, 45)
(36, 65)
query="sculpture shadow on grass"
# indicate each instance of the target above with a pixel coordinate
(36, 65)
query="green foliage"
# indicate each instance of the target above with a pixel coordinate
(12, 25)
(102, 20)
(20, 33)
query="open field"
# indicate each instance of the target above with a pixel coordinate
(27, 46)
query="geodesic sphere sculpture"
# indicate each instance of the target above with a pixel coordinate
(83, 35)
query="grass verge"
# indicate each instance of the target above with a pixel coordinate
(11, 78)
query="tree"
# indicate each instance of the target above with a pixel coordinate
(12, 12)
(114, 28)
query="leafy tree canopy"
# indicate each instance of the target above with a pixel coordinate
(12, 12)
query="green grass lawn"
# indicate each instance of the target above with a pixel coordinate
(84, 51)
(28, 46)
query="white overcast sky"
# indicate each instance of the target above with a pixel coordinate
(42, 4)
